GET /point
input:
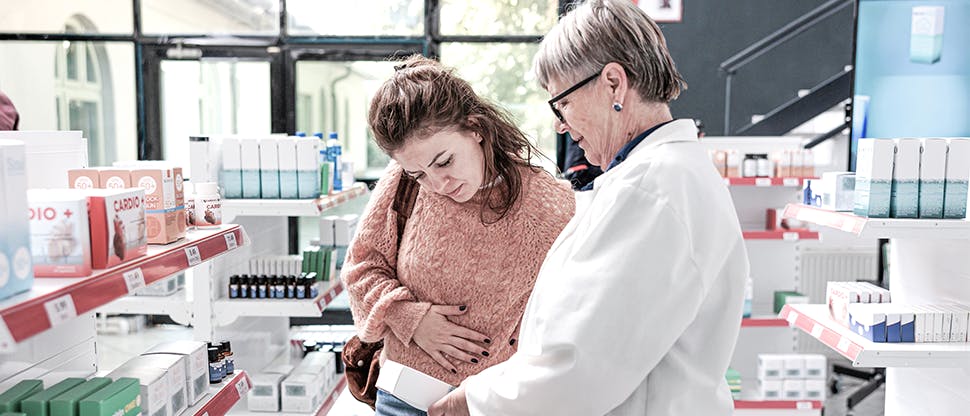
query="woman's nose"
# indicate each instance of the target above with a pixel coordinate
(561, 127)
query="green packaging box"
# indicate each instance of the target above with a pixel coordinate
(39, 404)
(10, 399)
(13, 414)
(67, 404)
(119, 398)
(785, 297)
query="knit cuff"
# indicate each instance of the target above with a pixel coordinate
(403, 318)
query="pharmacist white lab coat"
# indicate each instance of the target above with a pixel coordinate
(638, 304)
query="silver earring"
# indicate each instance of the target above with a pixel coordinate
(617, 107)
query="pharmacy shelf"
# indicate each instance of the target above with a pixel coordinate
(175, 306)
(324, 408)
(784, 235)
(777, 407)
(55, 301)
(228, 310)
(880, 227)
(766, 182)
(815, 320)
(763, 322)
(223, 396)
(232, 208)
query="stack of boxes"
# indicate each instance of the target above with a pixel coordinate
(261, 168)
(799, 163)
(912, 178)
(306, 387)
(74, 397)
(734, 382)
(792, 376)
(337, 232)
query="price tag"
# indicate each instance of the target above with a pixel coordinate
(333, 294)
(790, 182)
(816, 331)
(6, 338)
(60, 310)
(843, 344)
(848, 225)
(242, 386)
(792, 318)
(193, 255)
(762, 182)
(790, 236)
(803, 405)
(134, 279)
(231, 241)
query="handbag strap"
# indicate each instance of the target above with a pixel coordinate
(407, 193)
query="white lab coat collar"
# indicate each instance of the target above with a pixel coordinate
(680, 130)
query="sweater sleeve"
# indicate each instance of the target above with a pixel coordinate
(378, 301)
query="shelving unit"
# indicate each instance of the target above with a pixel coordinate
(880, 227)
(56, 301)
(176, 306)
(324, 408)
(777, 407)
(783, 235)
(228, 310)
(763, 322)
(223, 396)
(766, 182)
(232, 208)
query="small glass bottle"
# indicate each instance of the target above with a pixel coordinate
(229, 358)
(253, 287)
(291, 287)
(280, 287)
(244, 286)
(215, 366)
(301, 291)
(233, 287)
(749, 168)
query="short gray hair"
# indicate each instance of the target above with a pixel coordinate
(598, 32)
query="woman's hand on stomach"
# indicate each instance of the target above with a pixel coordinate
(438, 336)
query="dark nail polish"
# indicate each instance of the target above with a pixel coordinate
(475, 360)
(454, 371)
(462, 308)
(488, 341)
(485, 353)
(512, 341)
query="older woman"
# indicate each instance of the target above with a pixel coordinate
(638, 303)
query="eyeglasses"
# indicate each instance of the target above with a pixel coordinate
(570, 90)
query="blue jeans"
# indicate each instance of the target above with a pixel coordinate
(388, 405)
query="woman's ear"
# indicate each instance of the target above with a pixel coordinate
(617, 81)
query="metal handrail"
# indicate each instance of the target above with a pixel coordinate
(731, 65)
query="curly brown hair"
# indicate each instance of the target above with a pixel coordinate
(423, 97)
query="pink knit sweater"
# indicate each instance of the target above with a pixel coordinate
(448, 257)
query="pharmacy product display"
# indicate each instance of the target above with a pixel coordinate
(300, 385)
(74, 397)
(16, 269)
(780, 164)
(792, 376)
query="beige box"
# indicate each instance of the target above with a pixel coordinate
(88, 178)
(161, 218)
(114, 178)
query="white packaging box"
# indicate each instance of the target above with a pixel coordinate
(862, 290)
(269, 168)
(794, 366)
(175, 372)
(249, 155)
(49, 155)
(815, 390)
(60, 238)
(16, 269)
(344, 229)
(926, 34)
(793, 390)
(770, 389)
(874, 177)
(196, 365)
(961, 319)
(327, 231)
(932, 176)
(837, 190)
(816, 367)
(308, 167)
(155, 398)
(938, 318)
(230, 176)
(838, 296)
(164, 287)
(868, 320)
(771, 366)
(904, 199)
(957, 177)
(289, 179)
(919, 323)
(944, 319)
(265, 395)
(204, 159)
(926, 323)
(301, 392)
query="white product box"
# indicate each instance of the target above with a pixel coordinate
(175, 372)
(793, 390)
(770, 389)
(308, 167)
(904, 199)
(155, 398)
(265, 395)
(862, 290)
(196, 365)
(204, 159)
(941, 329)
(301, 392)
(249, 154)
(289, 179)
(269, 168)
(925, 323)
(816, 367)
(874, 177)
(868, 320)
(961, 319)
(794, 366)
(771, 367)
(837, 190)
(838, 296)
(49, 155)
(932, 177)
(815, 390)
(957, 177)
(230, 176)
(327, 231)
(926, 35)
(344, 229)
(118, 227)
(60, 237)
(16, 270)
